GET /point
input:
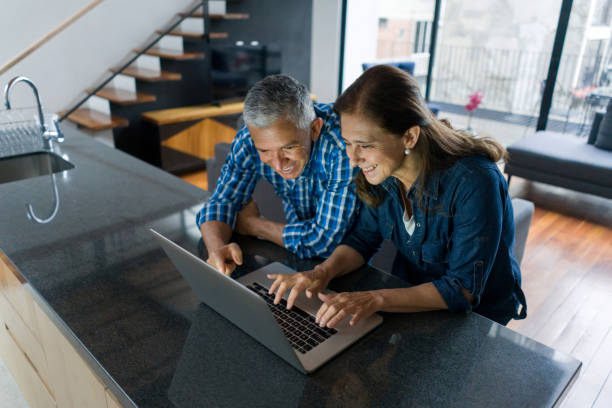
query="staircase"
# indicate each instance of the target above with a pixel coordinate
(171, 70)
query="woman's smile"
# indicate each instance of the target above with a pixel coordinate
(369, 169)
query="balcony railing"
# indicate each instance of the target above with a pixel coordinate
(511, 80)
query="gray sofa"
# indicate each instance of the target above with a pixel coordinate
(271, 208)
(562, 160)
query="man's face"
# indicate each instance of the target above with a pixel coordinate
(284, 147)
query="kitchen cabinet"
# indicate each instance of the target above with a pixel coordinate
(45, 366)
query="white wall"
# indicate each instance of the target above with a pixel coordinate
(325, 49)
(78, 57)
(361, 38)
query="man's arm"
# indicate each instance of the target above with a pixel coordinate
(250, 222)
(223, 256)
(234, 188)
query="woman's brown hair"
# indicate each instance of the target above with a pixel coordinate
(391, 98)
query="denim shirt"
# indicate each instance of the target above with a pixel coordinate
(463, 238)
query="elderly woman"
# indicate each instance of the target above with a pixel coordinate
(436, 193)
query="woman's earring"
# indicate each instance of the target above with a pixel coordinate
(406, 152)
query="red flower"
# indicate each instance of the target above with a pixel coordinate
(475, 100)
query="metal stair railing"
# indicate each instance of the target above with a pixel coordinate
(203, 4)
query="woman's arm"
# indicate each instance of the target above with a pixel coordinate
(359, 305)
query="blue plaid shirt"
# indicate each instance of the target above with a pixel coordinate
(320, 204)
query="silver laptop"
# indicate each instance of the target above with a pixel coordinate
(292, 334)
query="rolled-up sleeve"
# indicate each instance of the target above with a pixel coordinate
(335, 213)
(477, 226)
(235, 185)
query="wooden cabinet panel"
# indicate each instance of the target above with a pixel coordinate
(200, 139)
(55, 361)
(31, 385)
(14, 290)
(86, 389)
(46, 367)
(111, 402)
(73, 382)
(24, 337)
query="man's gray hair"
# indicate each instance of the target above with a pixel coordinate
(278, 97)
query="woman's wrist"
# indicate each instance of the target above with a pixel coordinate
(380, 299)
(325, 272)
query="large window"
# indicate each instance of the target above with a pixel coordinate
(501, 48)
(497, 47)
(387, 31)
(585, 73)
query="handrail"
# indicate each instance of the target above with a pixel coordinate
(48, 36)
(202, 4)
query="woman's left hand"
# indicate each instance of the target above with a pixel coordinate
(337, 307)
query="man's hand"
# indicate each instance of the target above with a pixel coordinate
(313, 282)
(226, 258)
(338, 307)
(247, 219)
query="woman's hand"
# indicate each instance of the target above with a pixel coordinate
(313, 282)
(337, 307)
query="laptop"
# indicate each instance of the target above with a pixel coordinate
(292, 334)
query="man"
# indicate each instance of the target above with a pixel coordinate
(296, 146)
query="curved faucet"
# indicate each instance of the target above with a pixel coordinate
(47, 219)
(15, 81)
(47, 132)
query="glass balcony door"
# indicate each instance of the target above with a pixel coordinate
(496, 47)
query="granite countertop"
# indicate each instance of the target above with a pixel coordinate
(97, 271)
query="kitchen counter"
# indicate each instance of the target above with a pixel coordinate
(95, 269)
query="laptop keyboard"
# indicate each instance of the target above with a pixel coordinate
(298, 326)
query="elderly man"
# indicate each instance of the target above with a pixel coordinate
(296, 145)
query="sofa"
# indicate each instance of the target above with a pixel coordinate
(566, 161)
(270, 206)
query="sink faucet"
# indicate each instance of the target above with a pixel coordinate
(47, 133)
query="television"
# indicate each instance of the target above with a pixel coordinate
(235, 68)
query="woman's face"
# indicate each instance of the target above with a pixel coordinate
(378, 153)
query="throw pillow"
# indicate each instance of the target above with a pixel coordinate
(604, 136)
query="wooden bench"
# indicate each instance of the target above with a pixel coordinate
(188, 134)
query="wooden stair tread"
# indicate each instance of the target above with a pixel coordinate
(215, 35)
(149, 74)
(226, 16)
(188, 113)
(123, 97)
(182, 33)
(96, 120)
(173, 54)
(197, 112)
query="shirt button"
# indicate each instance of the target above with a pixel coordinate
(413, 253)
(418, 225)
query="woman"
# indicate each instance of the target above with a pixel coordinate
(436, 193)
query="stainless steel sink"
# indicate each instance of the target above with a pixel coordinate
(30, 165)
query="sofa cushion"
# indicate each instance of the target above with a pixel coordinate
(562, 155)
(604, 136)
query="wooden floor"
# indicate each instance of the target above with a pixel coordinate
(567, 279)
(198, 179)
